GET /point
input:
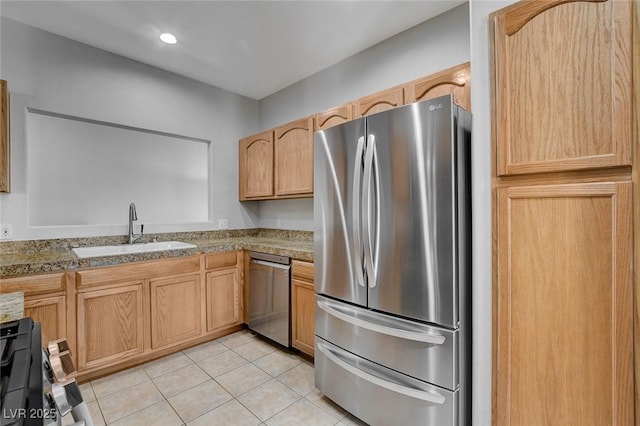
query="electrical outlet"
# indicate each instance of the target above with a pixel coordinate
(223, 224)
(278, 223)
(6, 231)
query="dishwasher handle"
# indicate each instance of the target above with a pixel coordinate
(270, 265)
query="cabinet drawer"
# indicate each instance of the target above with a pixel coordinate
(302, 270)
(220, 260)
(30, 284)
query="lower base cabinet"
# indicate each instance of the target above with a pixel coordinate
(302, 307)
(130, 312)
(44, 301)
(51, 313)
(175, 310)
(223, 298)
(110, 325)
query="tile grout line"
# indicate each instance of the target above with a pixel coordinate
(250, 339)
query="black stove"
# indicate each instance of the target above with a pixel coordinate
(21, 371)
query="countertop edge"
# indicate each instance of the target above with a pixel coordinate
(63, 260)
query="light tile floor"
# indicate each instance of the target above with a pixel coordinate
(238, 379)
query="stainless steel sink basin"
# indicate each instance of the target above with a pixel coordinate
(99, 251)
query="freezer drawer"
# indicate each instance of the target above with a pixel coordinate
(378, 395)
(425, 352)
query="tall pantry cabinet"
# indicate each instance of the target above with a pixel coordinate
(563, 140)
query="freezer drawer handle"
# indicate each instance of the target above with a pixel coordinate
(436, 339)
(432, 397)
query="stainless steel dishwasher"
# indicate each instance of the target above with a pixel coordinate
(269, 293)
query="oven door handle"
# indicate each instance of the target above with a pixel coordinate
(432, 397)
(436, 339)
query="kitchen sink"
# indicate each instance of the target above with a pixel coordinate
(99, 251)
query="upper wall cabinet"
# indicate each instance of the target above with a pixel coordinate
(4, 137)
(455, 81)
(563, 98)
(256, 166)
(334, 116)
(379, 102)
(278, 163)
(293, 145)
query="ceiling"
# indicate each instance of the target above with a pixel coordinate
(253, 48)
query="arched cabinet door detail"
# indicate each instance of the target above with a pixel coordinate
(334, 116)
(455, 81)
(379, 102)
(562, 92)
(294, 158)
(256, 166)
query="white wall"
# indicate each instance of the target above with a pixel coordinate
(52, 73)
(481, 204)
(431, 46)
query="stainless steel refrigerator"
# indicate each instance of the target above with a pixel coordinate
(392, 265)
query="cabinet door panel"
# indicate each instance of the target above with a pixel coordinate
(303, 316)
(563, 86)
(256, 166)
(50, 312)
(564, 305)
(294, 157)
(334, 116)
(379, 102)
(455, 81)
(223, 299)
(110, 325)
(175, 310)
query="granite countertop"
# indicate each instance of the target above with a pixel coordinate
(40, 256)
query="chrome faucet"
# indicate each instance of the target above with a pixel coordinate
(133, 216)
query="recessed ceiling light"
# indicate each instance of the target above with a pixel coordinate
(168, 38)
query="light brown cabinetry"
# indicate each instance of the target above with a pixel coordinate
(333, 116)
(302, 307)
(129, 310)
(4, 138)
(563, 213)
(293, 144)
(563, 86)
(175, 309)
(565, 305)
(277, 163)
(256, 166)
(455, 81)
(50, 312)
(44, 301)
(110, 324)
(223, 291)
(378, 102)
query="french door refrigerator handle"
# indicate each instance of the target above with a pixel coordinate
(436, 339)
(371, 185)
(432, 397)
(357, 206)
